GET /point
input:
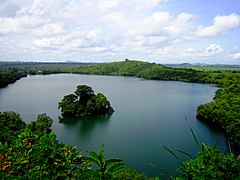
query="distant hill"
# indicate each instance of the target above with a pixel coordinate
(178, 65)
(203, 65)
(120, 68)
(142, 70)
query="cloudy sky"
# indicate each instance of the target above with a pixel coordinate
(161, 31)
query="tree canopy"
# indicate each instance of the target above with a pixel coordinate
(43, 122)
(10, 126)
(84, 102)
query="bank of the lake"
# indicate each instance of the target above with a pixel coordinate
(148, 114)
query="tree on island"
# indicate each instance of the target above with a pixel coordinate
(84, 102)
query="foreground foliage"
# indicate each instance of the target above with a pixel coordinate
(34, 153)
(107, 169)
(37, 155)
(84, 102)
(11, 125)
(211, 163)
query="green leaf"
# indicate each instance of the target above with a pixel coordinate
(101, 153)
(204, 147)
(171, 152)
(112, 161)
(196, 140)
(168, 173)
(94, 155)
(187, 154)
(116, 167)
(92, 160)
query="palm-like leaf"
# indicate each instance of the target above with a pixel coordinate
(112, 161)
(101, 154)
(183, 152)
(170, 151)
(196, 140)
(116, 167)
(93, 158)
(106, 168)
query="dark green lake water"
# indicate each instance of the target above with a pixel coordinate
(148, 114)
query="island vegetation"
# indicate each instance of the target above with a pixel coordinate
(23, 146)
(84, 102)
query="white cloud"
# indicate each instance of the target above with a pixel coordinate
(116, 17)
(165, 51)
(9, 25)
(41, 8)
(94, 34)
(189, 52)
(75, 40)
(8, 8)
(143, 4)
(236, 56)
(48, 42)
(161, 29)
(221, 25)
(180, 25)
(107, 5)
(213, 49)
(49, 29)
(118, 28)
(152, 25)
(18, 24)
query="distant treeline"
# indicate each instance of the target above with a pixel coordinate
(123, 68)
(144, 70)
(224, 111)
(10, 72)
(9, 76)
(33, 68)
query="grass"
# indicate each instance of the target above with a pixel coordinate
(210, 68)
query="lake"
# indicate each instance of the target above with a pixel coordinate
(148, 115)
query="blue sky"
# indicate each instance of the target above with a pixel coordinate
(161, 31)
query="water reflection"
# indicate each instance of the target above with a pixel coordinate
(86, 124)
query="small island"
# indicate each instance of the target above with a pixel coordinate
(84, 102)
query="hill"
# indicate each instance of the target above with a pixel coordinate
(142, 70)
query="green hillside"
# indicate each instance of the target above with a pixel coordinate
(122, 68)
(143, 70)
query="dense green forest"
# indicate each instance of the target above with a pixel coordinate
(84, 102)
(8, 76)
(10, 72)
(224, 112)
